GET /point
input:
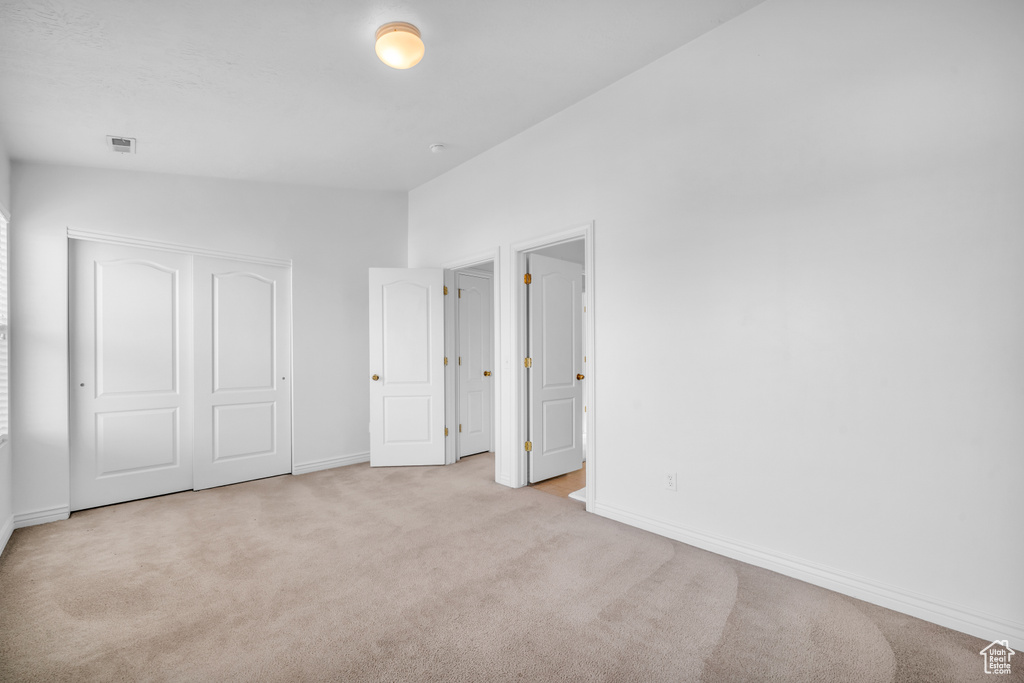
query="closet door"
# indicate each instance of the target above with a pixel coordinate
(243, 365)
(476, 364)
(130, 372)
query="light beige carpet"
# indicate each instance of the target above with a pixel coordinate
(423, 574)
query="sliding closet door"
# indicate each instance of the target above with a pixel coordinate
(243, 361)
(131, 373)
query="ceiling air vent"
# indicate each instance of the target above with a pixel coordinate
(123, 145)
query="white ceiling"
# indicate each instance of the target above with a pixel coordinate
(292, 91)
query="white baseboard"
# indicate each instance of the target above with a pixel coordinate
(5, 533)
(958, 617)
(340, 461)
(54, 514)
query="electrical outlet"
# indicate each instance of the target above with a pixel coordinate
(671, 482)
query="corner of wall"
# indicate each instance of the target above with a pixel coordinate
(5, 177)
(6, 496)
(5, 533)
(6, 480)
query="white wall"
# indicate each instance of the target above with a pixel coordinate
(332, 236)
(6, 484)
(5, 177)
(809, 292)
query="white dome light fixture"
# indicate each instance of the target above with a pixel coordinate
(399, 45)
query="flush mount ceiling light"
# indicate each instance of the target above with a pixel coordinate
(399, 45)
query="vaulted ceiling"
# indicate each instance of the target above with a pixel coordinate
(292, 91)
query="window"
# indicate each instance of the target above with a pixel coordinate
(3, 330)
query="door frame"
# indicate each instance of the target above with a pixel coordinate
(451, 331)
(89, 236)
(456, 338)
(518, 398)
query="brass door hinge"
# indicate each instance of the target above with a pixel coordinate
(460, 429)
(527, 362)
(446, 360)
(460, 360)
(460, 293)
(529, 446)
(527, 279)
(446, 290)
(446, 431)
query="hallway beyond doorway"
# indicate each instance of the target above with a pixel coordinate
(565, 484)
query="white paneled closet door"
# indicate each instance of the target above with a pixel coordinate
(131, 373)
(243, 359)
(475, 365)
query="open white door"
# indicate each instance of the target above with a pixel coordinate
(475, 364)
(131, 373)
(243, 360)
(556, 352)
(406, 366)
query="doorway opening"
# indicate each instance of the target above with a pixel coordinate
(472, 341)
(423, 319)
(472, 302)
(553, 335)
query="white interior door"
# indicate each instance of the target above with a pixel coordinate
(406, 366)
(475, 359)
(243, 368)
(555, 321)
(131, 373)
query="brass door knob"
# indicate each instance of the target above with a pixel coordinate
(487, 373)
(375, 378)
(579, 376)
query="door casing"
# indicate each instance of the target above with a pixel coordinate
(518, 407)
(509, 310)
